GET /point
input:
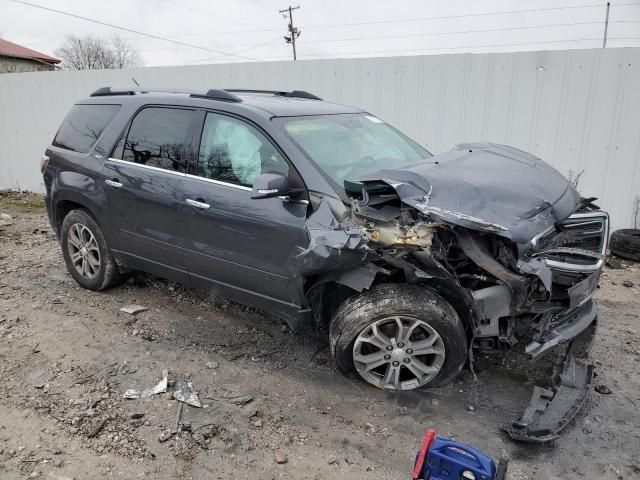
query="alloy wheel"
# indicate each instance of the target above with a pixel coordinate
(398, 353)
(83, 250)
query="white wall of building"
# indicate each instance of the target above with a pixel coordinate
(577, 109)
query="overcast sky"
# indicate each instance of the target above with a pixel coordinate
(253, 29)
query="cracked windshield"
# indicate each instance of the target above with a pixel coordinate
(350, 145)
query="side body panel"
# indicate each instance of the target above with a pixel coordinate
(143, 213)
(240, 242)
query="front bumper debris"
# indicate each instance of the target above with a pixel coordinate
(550, 411)
(578, 320)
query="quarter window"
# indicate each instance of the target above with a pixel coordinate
(157, 138)
(233, 151)
(83, 126)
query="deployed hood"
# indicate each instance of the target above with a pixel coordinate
(485, 187)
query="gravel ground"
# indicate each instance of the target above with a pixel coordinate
(273, 406)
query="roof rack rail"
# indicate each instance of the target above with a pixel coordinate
(211, 93)
(293, 93)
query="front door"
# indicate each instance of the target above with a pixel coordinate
(232, 242)
(144, 181)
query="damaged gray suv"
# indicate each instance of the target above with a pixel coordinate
(323, 214)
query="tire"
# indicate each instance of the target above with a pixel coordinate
(99, 266)
(429, 318)
(626, 244)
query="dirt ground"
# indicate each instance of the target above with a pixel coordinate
(274, 407)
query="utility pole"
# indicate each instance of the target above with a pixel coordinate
(606, 26)
(293, 31)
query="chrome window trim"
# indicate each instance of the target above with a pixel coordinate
(219, 182)
(148, 167)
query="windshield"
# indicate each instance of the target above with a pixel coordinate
(349, 145)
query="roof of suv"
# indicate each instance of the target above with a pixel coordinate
(274, 103)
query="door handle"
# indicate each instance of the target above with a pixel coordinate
(197, 204)
(113, 183)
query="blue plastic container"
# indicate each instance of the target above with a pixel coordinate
(442, 459)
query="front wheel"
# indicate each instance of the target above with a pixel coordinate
(86, 253)
(398, 337)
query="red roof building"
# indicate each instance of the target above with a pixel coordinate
(15, 58)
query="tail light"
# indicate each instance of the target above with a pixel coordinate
(44, 161)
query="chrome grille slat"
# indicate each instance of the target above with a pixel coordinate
(583, 231)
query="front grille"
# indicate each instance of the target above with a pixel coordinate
(578, 231)
(585, 232)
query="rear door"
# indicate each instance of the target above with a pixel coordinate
(144, 179)
(232, 242)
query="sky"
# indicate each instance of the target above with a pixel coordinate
(224, 31)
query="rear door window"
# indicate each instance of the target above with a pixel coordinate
(83, 126)
(158, 137)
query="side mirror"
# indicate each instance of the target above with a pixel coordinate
(269, 185)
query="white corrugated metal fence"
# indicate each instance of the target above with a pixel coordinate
(577, 109)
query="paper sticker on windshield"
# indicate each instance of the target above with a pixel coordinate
(373, 119)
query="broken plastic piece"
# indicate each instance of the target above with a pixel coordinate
(183, 392)
(550, 411)
(161, 387)
(132, 394)
(133, 309)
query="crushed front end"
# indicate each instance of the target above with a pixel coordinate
(506, 240)
(546, 298)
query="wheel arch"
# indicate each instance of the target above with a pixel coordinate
(327, 292)
(65, 202)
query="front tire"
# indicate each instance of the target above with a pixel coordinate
(86, 253)
(398, 337)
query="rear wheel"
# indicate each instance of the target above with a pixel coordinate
(398, 337)
(86, 253)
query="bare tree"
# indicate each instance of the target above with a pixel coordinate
(87, 53)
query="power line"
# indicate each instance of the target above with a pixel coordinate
(430, 34)
(221, 52)
(231, 32)
(412, 51)
(216, 15)
(237, 51)
(467, 15)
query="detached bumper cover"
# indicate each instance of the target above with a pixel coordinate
(551, 410)
(577, 321)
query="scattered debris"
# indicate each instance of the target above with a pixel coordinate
(5, 220)
(603, 390)
(281, 458)
(166, 435)
(133, 309)
(183, 392)
(257, 422)
(96, 430)
(131, 394)
(614, 264)
(628, 283)
(161, 387)
(229, 396)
